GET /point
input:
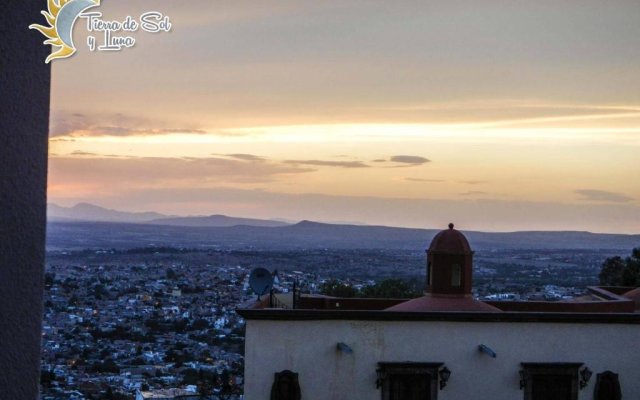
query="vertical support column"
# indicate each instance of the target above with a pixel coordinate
(24, 125)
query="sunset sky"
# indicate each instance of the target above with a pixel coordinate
(497, 115)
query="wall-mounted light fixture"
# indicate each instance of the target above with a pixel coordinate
(487, 350)
(445, 374)
(585, 375)
(341, 346)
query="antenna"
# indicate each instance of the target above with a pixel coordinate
(260, 281)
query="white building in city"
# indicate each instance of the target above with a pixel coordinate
(445, 345)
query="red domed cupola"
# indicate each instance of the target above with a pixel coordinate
(450, 241)
(449, 264)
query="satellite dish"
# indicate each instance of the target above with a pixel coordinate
(260, 281)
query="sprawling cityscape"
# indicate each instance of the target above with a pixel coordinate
(161, 321)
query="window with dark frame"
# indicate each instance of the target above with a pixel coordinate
(456, 275)
(550, 381)
(408, 380)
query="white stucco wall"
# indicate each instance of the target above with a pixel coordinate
(309, 348)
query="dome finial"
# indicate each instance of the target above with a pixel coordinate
(450, 225)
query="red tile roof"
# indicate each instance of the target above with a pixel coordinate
(635, 296)
(442, 303)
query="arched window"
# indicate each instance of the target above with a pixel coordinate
(285, 386)
(607, 387)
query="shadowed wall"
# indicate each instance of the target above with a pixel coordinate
(24, 121)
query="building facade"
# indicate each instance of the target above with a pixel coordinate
(444, 345)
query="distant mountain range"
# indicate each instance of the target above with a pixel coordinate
(92, 213)
(219, 221)
(89, 226)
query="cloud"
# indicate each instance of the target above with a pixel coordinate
(114, 174)
(603, 196)
(61, 139)
(410, 160)
(117, 124)
(245, 157)
(326, 163)
(125, 131)
(82, 153)
(473, 193)
(472, 182)
(423, 180)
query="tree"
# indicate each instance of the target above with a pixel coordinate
(190, 376)
(618, 272)
(107, 366)
(47, 376)
(205, 387)
(199, 324)
(631, 274)
(336, 288)
(99, 291)
(611, 271)
(390, 289)
(49, 278)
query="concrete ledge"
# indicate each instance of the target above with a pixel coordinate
(380, 315)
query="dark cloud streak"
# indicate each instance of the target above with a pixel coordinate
(423, 180)
(118, 124)
(326, 163)
(472, 182)
(246, 157)
(473, 193)
(603, 196)
(409, 160)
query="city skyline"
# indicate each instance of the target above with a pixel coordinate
(505, 116)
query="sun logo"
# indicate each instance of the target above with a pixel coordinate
(61, 17)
